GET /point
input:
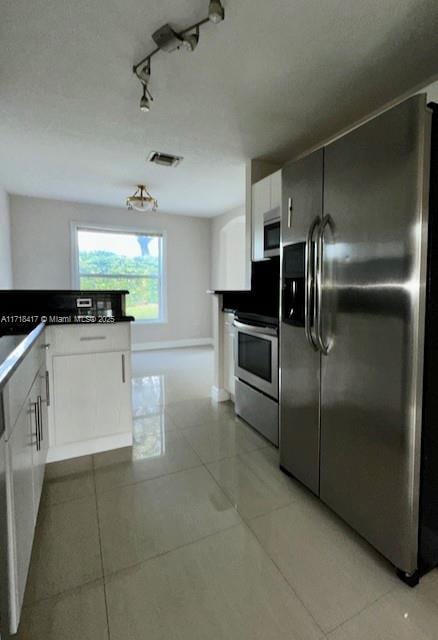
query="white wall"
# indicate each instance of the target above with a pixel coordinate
(228, 250)
(41, 258)
(5, 242)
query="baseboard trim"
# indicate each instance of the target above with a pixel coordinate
(172, 344)
(96, 445)
(219, 395)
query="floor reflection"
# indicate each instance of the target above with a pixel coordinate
(147, 395)
(149, 439)
(161, 378)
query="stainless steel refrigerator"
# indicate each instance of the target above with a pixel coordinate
(358, 425)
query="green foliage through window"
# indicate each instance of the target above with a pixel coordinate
(110, 260)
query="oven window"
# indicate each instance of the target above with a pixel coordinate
(272, 236)
(254, 355)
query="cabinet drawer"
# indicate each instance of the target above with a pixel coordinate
(91, 338)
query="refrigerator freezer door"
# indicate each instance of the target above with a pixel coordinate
(372, 378)
(299, 361)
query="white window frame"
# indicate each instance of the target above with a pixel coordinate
(75, 276)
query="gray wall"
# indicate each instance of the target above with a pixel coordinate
(41, 257)
(5, 242)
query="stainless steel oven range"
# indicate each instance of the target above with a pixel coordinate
(256, 372)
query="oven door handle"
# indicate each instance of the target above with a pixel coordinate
(249, 328)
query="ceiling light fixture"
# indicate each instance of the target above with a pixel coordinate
(142, 200)
(167, 39)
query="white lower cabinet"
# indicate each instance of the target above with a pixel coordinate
(71, 395)
(92, 396)
(21, 508)
(90, 373)
(26, 453)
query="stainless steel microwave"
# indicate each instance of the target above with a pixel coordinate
(271, 233)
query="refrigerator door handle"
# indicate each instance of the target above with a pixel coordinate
(326, 221)
(309, 302)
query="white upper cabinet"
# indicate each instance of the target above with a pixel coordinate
(228, 258)
(275, 190)
(261, 203)
(266, 195)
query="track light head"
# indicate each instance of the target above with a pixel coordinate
(191, 42)
(216, 11)
(167, 39)
(145, 105)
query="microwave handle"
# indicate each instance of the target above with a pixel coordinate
(268, 331)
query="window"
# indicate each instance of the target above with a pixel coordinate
(111, 259)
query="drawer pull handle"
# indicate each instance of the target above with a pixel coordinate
(87, 338)
(123, 369)
(47, 388)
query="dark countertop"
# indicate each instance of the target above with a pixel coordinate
(21, 310)
(13, 350)
(65, 320)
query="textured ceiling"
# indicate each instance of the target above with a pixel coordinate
(273, 79)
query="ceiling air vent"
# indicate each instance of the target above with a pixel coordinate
(165, 159)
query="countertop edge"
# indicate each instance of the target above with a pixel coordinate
(8, 366)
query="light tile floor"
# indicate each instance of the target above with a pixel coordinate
(194, 533)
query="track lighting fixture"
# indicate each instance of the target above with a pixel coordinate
(167, 39)
(216, 11)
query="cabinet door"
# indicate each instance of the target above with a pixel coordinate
(261, 203)
(21, 512)
(39, 400)
(275, 201)
(92, 397)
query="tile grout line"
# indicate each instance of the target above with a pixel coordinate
(133, 484)
(60, 594)
(266, 552)
(245, 518)
(105, 595)
(160, 554)
(330, 631)
(364, 608)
